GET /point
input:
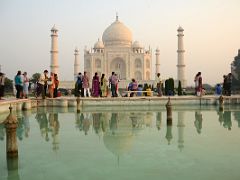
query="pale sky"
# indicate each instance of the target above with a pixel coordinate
(211, 28)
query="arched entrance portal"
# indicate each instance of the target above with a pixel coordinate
(118, 65)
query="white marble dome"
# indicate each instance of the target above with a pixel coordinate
(99, 45)
(137, 45)
(117, 34)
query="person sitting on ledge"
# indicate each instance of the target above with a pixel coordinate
(149, 90)
(140, 88)
(133, 86)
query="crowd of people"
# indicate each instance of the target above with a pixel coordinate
(224, 89)
(100, 87)
(47, 85)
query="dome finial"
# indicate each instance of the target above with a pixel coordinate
(116, 16)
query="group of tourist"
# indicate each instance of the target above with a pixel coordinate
(43, 85)
(225, 89)
(21, 84)
(47, 84)
(99, 86)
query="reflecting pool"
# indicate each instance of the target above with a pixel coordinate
(125, 143)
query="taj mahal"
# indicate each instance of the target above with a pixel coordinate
(118, 52)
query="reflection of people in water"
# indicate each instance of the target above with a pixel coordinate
(220, 117)
(237, 117)
(79, 121)
(54, 125)
(114, 123)
(133, 117)
(104, 119)
(96, 122)
(2, 131)
(158, 120)
(26, 123)
(20, 128)
(86, 122)
(198, 121)
(227, 121)
(41, 117)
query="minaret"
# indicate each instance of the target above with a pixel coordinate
(181, 65)
(76, 63)
(157, 61)
(54, 51)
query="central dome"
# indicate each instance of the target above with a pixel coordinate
(117, 34)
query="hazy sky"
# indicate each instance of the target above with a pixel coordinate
(212, 32)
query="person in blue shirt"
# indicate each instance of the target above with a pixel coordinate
(19, 84)
(218, 89)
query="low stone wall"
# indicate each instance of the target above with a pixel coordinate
(26, 104)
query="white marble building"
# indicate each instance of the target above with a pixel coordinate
(117, 52)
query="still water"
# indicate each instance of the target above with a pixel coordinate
(122, 143)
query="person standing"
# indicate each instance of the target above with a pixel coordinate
(113, 80)
(159, 84)
(19, 84)
(95, 85)
(25, 85)
(104, 87)
(43, 83)
(78, 85)
(198, 84)
(86, 85)
(2, 84)
(56, 81)
(224, 85)
(218, 90)
(51, 85)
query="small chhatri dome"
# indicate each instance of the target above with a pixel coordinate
(137, 45)
(117, 34)
(54, 28)
(157, 50)
(180, 28)
(99, 45)
(76, 50)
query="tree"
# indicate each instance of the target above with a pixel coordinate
(180, 91)
(236, 71)
(35, 77)
(8, 85)
(169, 87)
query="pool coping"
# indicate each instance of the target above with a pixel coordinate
(79, 102)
